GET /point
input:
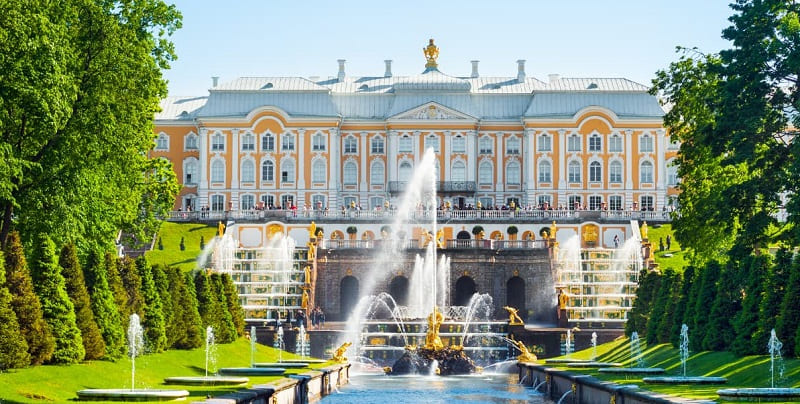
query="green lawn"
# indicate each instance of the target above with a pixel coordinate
(674, 258)
(171, 234)
(748, 371)
(60, 383)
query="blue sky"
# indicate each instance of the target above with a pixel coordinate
(611, 38)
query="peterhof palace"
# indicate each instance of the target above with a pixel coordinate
(343, 141)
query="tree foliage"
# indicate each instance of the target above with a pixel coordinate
(132, 284)
(706, 294)
(789, 319)
(112, 264)
(649, 284)
(13, 348)
(720, 331)
(79, 83)
(234, 307)
(26, 303)
(57, 309)
(746, 321)
(104, 307)
(185, 331)
(153, 320)
(93, 342)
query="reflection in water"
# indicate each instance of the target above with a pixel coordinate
(486, 388)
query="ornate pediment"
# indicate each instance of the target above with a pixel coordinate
(432, 111)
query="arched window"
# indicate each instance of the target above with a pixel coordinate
(615, 172)
(377, 145)
(545, 171)
(287, 171)
(350, 173)
(595, 143)
(318, 171)
(190, 175)
(646, 144)
(574, 172)
(485, 173)
(248, 171)
(432, 141)
(485, 145)
(512, 173)
(268, 142)
(190, 142)
(217, 171)
(268, 171)
(459, 144)
(672, 173)
(162, 142)
(404, 173)
(459, 171)
(405, 145)
(376, 173)
(595, 172)
(646, 172)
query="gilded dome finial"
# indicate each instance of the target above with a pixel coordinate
(431, 53)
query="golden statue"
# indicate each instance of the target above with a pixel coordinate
(524, 354)
(312, 250)
(644, 230)
(563, 299)
(440, 238)
(553, 230)
(432, 340)
(307, 271)
(304, 301)
(431, 53)
(320, 234)
(513, 317)
(427, 240)
(312, 230)
(338, 355)
(590, 233)
(334, 236)
(481, 235)
(220, 229)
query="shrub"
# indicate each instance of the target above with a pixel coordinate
(104, 306)
(477, 230)
(512, 230)
(182, 245)
(13, 348)
(93, 342)
(352, 230)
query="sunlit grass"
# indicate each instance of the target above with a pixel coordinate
(747, 371)
(60, 383)
(673, 257)
(171, 234)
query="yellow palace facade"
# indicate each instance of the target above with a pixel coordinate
(256, 142)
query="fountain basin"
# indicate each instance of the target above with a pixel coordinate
(253, 371)
(685, 380)
(131, 395)
(592, 364)
(206, 380)
(288, 365)
(554, 361)
(632, 371)
(309, 360)
(759, 394)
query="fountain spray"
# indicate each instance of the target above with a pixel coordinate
(209, 347)
(774, 345)
(684, 347)
(253, 345)
(135, 344)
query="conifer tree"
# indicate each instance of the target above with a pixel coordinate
(13, 348)
(105, 309)
(93, 343)
(164, 293)
(225, 332)
(657, 306)
(153, 320)
(787, 324)
(112, 264)
(57, 308)
(132, 282)
(668, 319)
(205, 301)
(774, 288)
(185, 331)
(234, 307)
(649, 283)
(683, 305)
(727, 303)
(747, 320)
(706, 292)
(26, 304)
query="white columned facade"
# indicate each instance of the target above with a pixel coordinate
(234, 187)
(500, 169)
(472, 168)
(628, 167)
(447, 152)
(391, 154)
(661, 168)
(562, 166)
(202, 187)
(362, 184)
(529, 166)
(333, 168)
(300, 184)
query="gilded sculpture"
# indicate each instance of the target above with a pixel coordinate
(513, 317)
(432, 340)
(644, 230)
(338, 355)
(312, 230)
(431, 53)
(525, 355)
(220, 229)
(440, 238)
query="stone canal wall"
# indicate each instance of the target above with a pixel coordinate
(569, 388)
(302, 388)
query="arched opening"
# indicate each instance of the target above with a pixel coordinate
(515, 295)
(398, 288)
(348, 296)
(465, 288)
(463, 235)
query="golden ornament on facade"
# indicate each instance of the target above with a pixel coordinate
(590, 233)
(431, 54)
(349, 271)
(273, 229)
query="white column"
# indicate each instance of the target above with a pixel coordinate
(628, 167)
(661, 168)
(472, 155)
(333, 168)
(235, 168)
(415, 139)
(529, 170)
(447, 150)
(391, 154)
(363, 185)
(500, 169)
(202, 187)
(301, 161)
(562, 167)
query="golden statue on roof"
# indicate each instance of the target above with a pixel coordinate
(431, 53)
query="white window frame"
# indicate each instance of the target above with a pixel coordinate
(459, 144)
(191, 171)
(545, 142)
(318, 142)
(545, 171)
(574, 172)
(162, 142)
(485, 145)
(247, 202)
(405, 144)
(191, 142)
(595, 172)
(248, 142)
(405, 171)
(248, 170)
(574, 143)
(267, 171)
(513, 173)
(288, 171)
(615, 172)
(646, 177)
(318, 171)
(485, 173)
(615, 144)
(218, 142)
(458, 172)
(217, 171)
(595, 143)
(217, 203)
(646, 143)
(287, 142)
(377, 145)
(433, 142)
(350, 145)
(350, 173)
(513, 146)
(377, 173)
(616, 202)
(268, 142)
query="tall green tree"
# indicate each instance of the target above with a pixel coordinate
(234, 307)
(161, 283)
(13, 348)
(71, 270)
(667, 320)
(79, 82)
(57, 308)
(186, 329)
(26, 304)
(706, 294)
(649, 284)
(683, 304)
(105, 309)
(225, 331)
(112, 264)
(153, 321)
(789, 319)
(132, 282)
(720, 331)
(747, 320)
(770, 307)
(658, 306)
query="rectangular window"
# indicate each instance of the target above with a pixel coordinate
(268, 201)
(486, 202)
(545, 143)
(318, 202)
(595, 143)
(405, 145)
(217, 143)
(191, 142)
(647, 202)
(574, 202)
(218, 203)
(512, 146)
(318, 143)
(459, 144)
(287, 142)
(432, 142)
(376, 202)
(595, 202)
(287, 201)
(615, 202)
(485, 145)
(646, 144)
(545, 201)
(248, 142)
(268, 143)
(574, 143)
(350, 145)
(377, 145)
(615, 144)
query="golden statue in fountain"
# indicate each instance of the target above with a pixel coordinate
(525, 354)
(338, 355)
(220, 229)
(432, 340)
(440, 238)
(513, 317)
